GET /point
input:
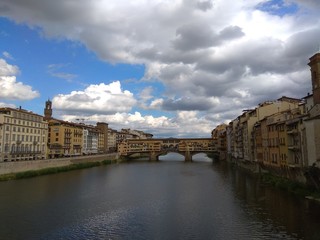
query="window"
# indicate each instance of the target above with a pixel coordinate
(6, 148)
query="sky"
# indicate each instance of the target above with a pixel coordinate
(172, 68)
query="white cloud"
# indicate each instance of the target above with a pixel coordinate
(211, 65)
(183, 125)
(55, 71)
(100, 98)
(7, 69)
(2, 104)
(10, 88)
(7, 55)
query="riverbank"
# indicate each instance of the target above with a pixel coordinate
(27, 169)
(291, 186)
(54, 170)
(275, 179)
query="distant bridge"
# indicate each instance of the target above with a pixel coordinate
(156, 147)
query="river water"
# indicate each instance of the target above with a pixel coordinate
(153, 200)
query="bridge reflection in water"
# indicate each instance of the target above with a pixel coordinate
(161, 146)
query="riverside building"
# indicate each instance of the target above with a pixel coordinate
(23, 135)
(68, 139)
(281, 135)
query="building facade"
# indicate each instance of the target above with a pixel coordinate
(103, 128)
(283, 135)
(91, 138)
(65, 139)
(23, 135)
(312, 123)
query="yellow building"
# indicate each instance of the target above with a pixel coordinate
(282, 142)
(74, 139)
(243, 126)
(219, 136)
(101, 141)
(23, 135)
(103, 144)
(64, 139)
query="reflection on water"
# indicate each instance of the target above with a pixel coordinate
(169, 199)
(289, 213)
(171, 156)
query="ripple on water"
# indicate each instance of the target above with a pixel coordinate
(111, 225)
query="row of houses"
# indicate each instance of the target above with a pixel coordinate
(283, 135)
(25, 135)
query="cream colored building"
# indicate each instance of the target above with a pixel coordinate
(91, 138)
(23, 135)
(112, 140)
(312, 123)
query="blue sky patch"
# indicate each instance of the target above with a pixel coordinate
(278, 7)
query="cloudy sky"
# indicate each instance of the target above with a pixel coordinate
(168, 67)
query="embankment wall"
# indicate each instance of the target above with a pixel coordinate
(23, 166)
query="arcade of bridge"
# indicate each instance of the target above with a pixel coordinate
(156, 147)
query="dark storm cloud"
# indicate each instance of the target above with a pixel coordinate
(187, 104)
(200, 35)
(313, 4)
(204, 5)
(231, 32)
(302, 44)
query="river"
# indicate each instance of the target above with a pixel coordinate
(153, 200)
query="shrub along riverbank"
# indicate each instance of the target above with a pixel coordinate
(290, 186)
(54, 170)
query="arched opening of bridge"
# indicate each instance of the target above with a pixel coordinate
(172, 156)
(201, 157)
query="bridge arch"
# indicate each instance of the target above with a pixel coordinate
(176, 156)
(201, 157)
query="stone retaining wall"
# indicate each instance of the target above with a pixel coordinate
(22, 166)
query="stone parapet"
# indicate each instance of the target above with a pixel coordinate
(23, 166)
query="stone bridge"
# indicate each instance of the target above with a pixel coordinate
(156, 147)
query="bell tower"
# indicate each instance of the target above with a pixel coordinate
(48, 110)
(315, 76)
